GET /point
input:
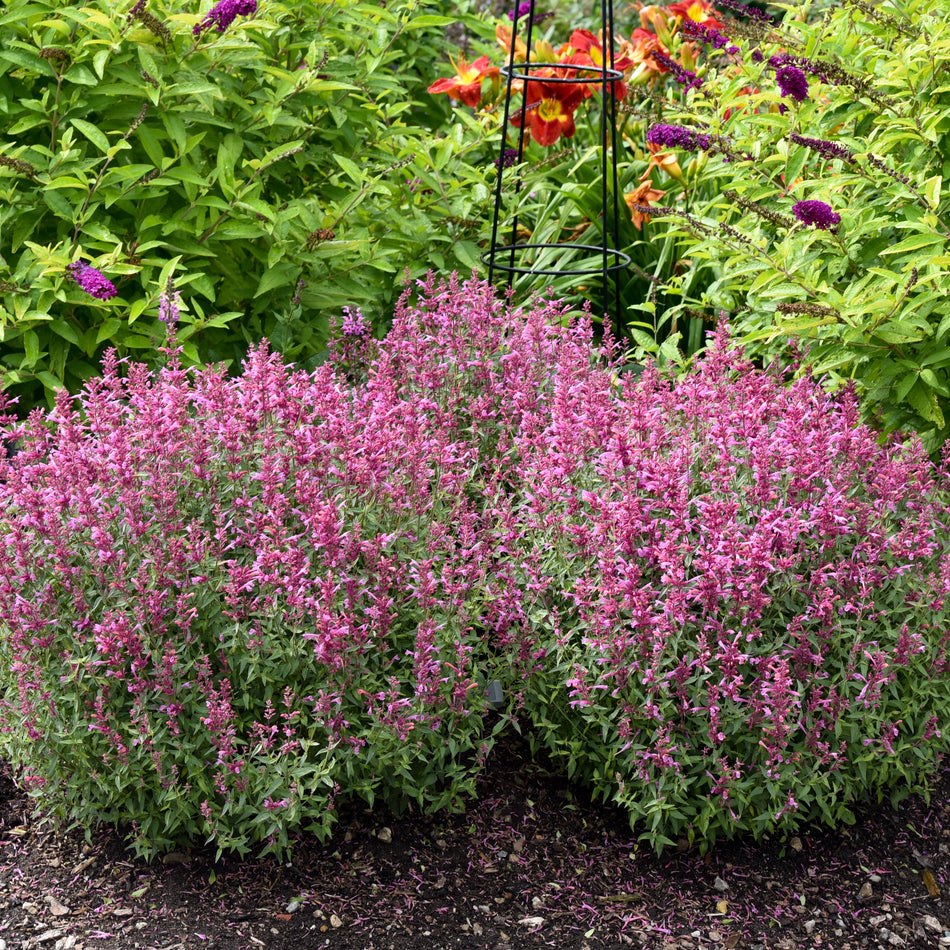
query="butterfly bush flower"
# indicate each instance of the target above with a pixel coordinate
(816, 214)
(751, 12)
(92, 281)
(824, 148)
(709, 36)
(793, 83)
(508, 158)
(224, 13)
(682, 75)
(830, 74)
(676, 136)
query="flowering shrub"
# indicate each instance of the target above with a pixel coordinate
(555, 192)
(732, 601)
(829, 223)
(215, 141)
(224, 604)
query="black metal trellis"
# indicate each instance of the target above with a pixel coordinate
(504, 257)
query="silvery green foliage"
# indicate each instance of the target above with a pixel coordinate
(226, 604)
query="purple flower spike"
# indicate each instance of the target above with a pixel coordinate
(705, 34)
(824, 148)
(683, 76)
(675, 136)
(92, 281)
(508, 158)
(793, 82)
(169, 304)
(817, 214)
(224, 13)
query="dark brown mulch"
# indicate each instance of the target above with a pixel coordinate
(532, 864)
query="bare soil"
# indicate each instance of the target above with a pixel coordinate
(532, 864)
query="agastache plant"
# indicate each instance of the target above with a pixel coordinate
(260, 595)
(720, 575)
(254, 590)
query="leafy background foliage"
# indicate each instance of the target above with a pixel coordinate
(869, 302)
(277, 171)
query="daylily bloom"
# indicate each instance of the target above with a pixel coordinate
(658, 20)
(585, 42)
(503, 34)
(466, 84)
(638, 52)
(665, 161)
(550, 110)
(590, 51)
(642, 195)
(700, 11)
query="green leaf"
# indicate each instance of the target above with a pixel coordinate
(932, 190)
(925, 403)
(428, 20)
(940, 356)
(93, 133)
(152, 144)
(915, 242)
(929, 377)
(49, 380)
(176, 129)
(167, 272)
(228, 154)
(107, 329)
(31, 347)
(99, 62)
(350, 167)
(149, 63)
(65, 330)
(281, 275)
(138, 308)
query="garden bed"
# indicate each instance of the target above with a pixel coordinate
(532, 846)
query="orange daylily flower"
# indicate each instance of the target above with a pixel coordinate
(466, 84)
(503, 35)
(665, 161)
(550, 110)
(658, 20)
(589, 51)
(585, 42)
(643, 194)
(638, 49)
(649, 14)
(700, 11)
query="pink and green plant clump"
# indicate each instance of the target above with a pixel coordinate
(739, 594)
(226, 604)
